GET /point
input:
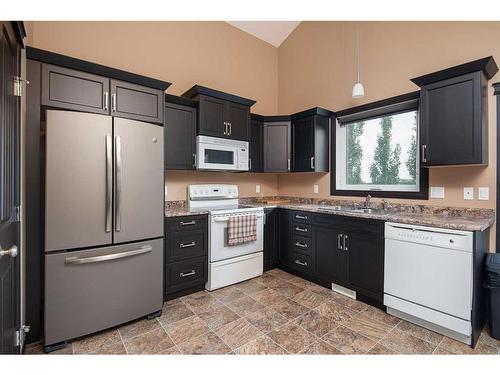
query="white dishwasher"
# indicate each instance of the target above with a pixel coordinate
(428, 277)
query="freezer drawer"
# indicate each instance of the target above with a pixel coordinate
(91, 290)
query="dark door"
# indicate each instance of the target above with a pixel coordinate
(365, 264)
(270, 238)
(452, 121)
(180, 136)
(71, 89)
(303, 145)
(238, 117)
(212, 112)
(277, 147)
(9, 190)
(256, 140)
(136, 102)
(329, 257)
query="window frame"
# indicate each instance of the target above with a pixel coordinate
(374, 110)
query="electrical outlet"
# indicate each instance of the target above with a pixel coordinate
(468, 193)
(257, 188)
(316, 189)
(437, 192)
(483, 193)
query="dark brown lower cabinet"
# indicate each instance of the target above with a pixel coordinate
(346, 251)
(186, 255)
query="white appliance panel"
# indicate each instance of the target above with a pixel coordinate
(235, 270)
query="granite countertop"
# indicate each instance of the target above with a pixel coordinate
(441, 217)
(467, 222)
(183, 211)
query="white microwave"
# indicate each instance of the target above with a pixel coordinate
(221, 154)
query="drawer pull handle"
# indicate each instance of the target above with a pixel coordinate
(182, 274)
(103, 258)
(299, 244)
(300, 263)
(184, 245)
(299, 229)
(302, 217)
(184, 223)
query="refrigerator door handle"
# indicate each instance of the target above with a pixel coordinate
(118, 171)
(104, 258)
(109, 182)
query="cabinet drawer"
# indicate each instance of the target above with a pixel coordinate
(185, 274)
(186, 223)
(184, 245)
(136, 102)
(302, 217)
(302, 244)
(301, 262)
(71, 89)
(302, 229)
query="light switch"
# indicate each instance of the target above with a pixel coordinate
(257, 188)
(437, 192)
(468, 193)
(316, 189)
(483, 194)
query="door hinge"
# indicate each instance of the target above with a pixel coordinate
(20, 336)
(16, 214)
(18, 86)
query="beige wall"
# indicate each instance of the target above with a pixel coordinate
(317, 67)
(212, 54)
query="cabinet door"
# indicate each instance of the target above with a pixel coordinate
(303, 145)
(285, 245)
(180, 136)
(328, 255)
(238, 117)
(136, 102)
(71, 89)
(212, 114)
(366, 264)
(270, 238)
(452, 129)
(277, 146)
(256, 140)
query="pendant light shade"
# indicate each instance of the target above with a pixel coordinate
(358, 91)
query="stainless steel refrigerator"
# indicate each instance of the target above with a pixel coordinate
(104, 209)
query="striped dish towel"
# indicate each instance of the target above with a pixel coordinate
(241, 229)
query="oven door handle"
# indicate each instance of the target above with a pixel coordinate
(226, 219)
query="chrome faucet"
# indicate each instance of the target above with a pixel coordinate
(385, 204)
(367, 201)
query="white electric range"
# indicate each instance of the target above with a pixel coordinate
(227, 264)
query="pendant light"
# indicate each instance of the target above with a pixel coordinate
(358, 91)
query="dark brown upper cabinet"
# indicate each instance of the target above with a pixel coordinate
(256, 160)
(221, 114)
(277, 144)
(74, 90)
(180, 133)
(454, 114)
(136, 102)
(310, 139)
(80, 85)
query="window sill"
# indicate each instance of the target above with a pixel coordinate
(424, 194)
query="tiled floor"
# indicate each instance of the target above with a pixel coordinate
(276, 313)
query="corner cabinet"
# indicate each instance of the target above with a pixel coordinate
(310, 140)
(271, 238)
(180, 133)
(221, 114)
(454, 114)
(277, 144)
